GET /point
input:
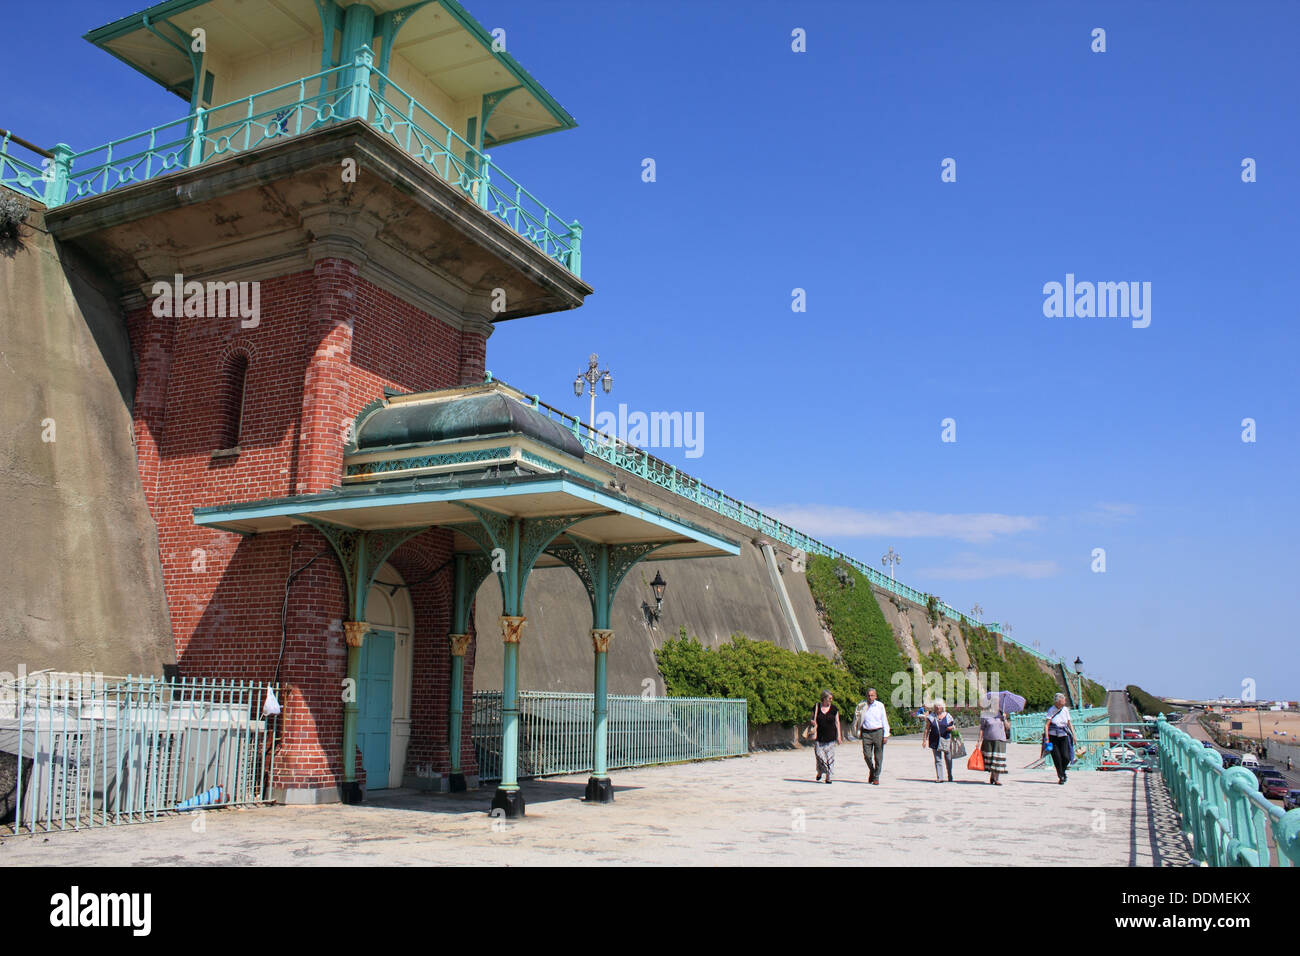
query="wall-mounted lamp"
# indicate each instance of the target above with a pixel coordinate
(658, 586)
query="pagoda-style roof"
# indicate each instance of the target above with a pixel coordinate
(458, 414)
(438, 40)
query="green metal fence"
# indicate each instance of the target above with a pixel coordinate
(1228, 821)
(555, 731)
(85, 752)
(1028, 728)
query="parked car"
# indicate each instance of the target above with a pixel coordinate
(1292, 800)
(1272, 780)
(1274, 787)
(1231, 760)
(1132, 734)
(1152, 748)
(1249, 760)
(1116, 758)
(1206, 743)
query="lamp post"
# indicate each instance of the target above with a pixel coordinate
(591, 377)
(1078, 672)
(891, 559)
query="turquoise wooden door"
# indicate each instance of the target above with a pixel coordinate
(375, 706)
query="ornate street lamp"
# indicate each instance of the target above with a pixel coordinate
(891, 559)
(1078, 671)
(658, 586)
(590, 378)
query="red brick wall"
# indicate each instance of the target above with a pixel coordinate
(328, 342)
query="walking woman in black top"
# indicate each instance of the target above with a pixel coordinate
(826, 721)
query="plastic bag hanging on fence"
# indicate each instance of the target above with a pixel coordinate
(271, 706)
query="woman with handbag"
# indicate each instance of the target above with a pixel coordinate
(1059, 736)
(825, 725)
(993, 742)
(938, 737)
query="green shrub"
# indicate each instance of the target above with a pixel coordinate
(780, 686)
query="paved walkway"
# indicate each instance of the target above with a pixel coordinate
(759, 810)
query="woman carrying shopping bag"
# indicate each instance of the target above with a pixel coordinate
(938, 737)
(993, 741)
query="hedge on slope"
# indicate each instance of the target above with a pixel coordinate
(863, 635)
(780, 686)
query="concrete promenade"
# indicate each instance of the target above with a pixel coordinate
(760, 810)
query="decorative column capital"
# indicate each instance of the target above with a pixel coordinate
(600, 638)
(354, 632)
(459, 644)
(511, 628)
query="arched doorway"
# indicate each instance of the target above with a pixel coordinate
(384, 685)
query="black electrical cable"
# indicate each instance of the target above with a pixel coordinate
(393, 588)
(284, 611)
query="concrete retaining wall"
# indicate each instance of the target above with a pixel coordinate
(81, 579)
(712, 598)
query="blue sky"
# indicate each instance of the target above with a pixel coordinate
(778, 170)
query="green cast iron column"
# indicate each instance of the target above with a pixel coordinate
(468, 573)
(354, 633)
(514, 544)
(459, 639)
(459, 645)
(600, 638)
(601, 568)
(360, 555)
(512, 625)
(599, 788)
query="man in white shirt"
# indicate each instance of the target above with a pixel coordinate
(875, 731)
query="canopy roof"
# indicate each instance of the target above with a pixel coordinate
(438, 38)
(438, 500)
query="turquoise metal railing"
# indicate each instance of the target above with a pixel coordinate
(641, 463)
(555, 731)
(1228, 821)
(356, 90)
(1027, 728)
(91, 752)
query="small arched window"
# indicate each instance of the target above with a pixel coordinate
(230, 409)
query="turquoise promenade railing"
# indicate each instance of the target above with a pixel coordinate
(641, 463)
(1028, 728)
(90, 751)
(555, 731)
(357, 90)
(1228, 821)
